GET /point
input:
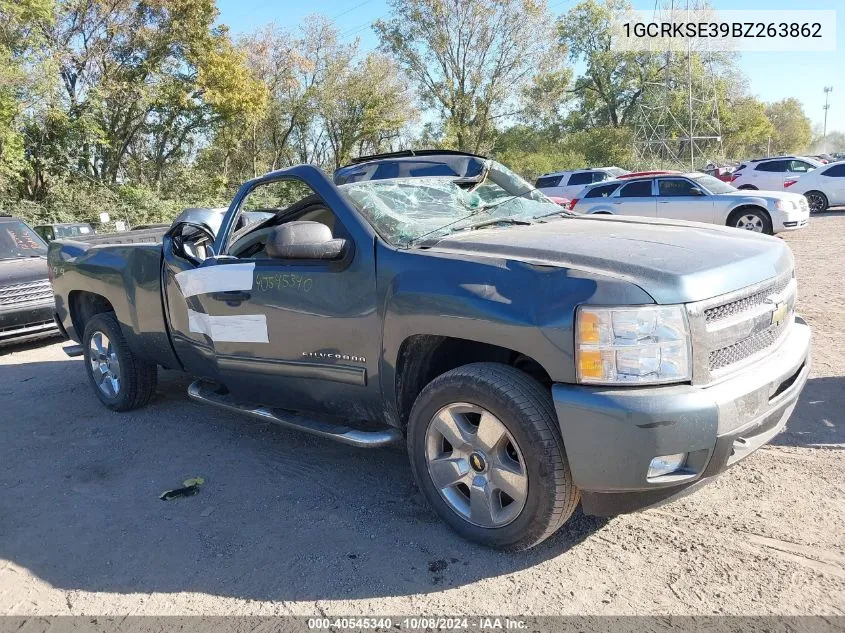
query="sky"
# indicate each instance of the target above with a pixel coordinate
(771, 76)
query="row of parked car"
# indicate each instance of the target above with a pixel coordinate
(821, 183)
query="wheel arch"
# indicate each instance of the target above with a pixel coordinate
(83, 305)
(747, 206)
(423, 357)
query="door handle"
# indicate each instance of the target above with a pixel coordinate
(231, 297)
(662, 202)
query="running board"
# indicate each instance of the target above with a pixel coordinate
(207, 392)
(73, 350)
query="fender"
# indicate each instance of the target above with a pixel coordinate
(523, 307)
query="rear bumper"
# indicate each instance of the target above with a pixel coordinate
(27, 322)
(612, 435)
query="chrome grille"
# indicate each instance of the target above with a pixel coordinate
(733, 330)
(745, 304)
(30, 292)
(746, 348)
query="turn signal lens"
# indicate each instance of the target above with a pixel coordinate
(589, 328)
(590, 364)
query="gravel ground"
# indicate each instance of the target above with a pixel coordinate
(289, 524)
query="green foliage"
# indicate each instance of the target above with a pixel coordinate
(468, 59)
(745, 127)
(612, 85)
(793, 131)
(80, 201)
(533, 153)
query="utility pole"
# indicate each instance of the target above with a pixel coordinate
(827, 91)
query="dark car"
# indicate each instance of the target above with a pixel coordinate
(64, 230)
(26, 298)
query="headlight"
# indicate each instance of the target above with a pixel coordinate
(643, 345)
(785, 205)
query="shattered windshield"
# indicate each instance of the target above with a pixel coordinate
(403, 210)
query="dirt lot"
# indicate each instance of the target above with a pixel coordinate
(290, 524)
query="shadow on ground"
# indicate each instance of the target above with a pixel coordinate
(817, 420)
(282, 515)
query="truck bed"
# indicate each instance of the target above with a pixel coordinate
(143, 236)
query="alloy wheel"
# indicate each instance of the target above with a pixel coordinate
(750, 222)
(476, 465)
(105, 366)
(816, 202)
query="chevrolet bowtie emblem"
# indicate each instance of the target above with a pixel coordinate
(779, 313)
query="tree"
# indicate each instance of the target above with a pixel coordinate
(832, 143)
(364, 106)
(745, 127)
(613, 82)
(22, 75)
(469, 60)
(793, 130)
(141, 79)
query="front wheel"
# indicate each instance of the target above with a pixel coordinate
(120, 380)
(751, 220)
(817, 201)
(486, 451)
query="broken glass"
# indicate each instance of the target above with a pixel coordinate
(403, 210)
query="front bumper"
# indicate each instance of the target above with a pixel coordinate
(612, 434)
(27, 322)
(790, 220)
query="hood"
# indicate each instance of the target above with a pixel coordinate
(675, 262)
(22, 270)
(763, 195)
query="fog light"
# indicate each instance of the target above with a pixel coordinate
(666, 464)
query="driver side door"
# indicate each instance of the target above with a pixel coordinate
(680, 199)
(299, 332)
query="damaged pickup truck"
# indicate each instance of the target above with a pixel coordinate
(530, 360)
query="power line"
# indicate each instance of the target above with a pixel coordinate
(351, 9)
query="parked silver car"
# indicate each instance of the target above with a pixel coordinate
(696, 197)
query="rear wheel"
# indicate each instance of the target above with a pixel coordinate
(486, 451)
(817, 201)
(751, 220)
(747, 187)
(120, 380)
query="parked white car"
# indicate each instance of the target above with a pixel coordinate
(823, 187)
(566, 184)
(696, 197)
(771, 174)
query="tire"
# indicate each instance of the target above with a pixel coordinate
(751, 219)
(817, 201)
(103, 344)
(747, 188)
(531, 440)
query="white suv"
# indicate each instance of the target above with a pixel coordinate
(823, 187)
(769, 174)
(566, 184)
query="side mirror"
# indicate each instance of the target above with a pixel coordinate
(696, 191)
(190, 241)
(304, 240)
